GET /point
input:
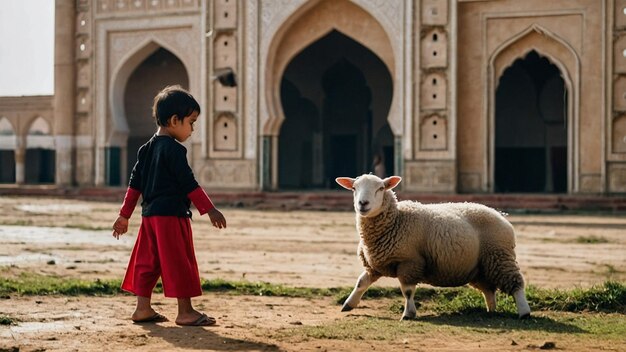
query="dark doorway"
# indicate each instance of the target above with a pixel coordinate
(7, 166)
(39, 166)
(531, 128)
(335, 96)
(297, 138)
(159, 70)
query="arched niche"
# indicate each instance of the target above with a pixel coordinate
(564, 57)
(434, 133)
(311, 22)
(117, 134)
(225, 133)
(434, 91)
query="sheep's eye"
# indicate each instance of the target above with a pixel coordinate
(381, 189)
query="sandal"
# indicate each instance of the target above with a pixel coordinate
(156, 318)
(203, 320)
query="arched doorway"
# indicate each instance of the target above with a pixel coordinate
(7, 151)
(335, 96)
(160, 69)
(531, 132)
(40, 157)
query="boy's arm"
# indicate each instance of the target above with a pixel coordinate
(130, 202)
(201, 200)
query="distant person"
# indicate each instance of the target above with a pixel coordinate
(164, 246)
(379, 166)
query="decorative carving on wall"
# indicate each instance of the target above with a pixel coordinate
(225, 49)
(434, 91)
(177, 40)
(434, 49)
(430, 176)
(389, 12)
(225, 128)
(141, 6)
(225, 133)
(84, 92)
(619, 134)
(251, 79)
(225, 14)
(229, 173)
(617, 177)
(434, 12)
(225, 98)
(434, 133)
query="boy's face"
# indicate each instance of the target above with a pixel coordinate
(181, 129)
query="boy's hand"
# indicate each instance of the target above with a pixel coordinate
(217, 218)
(120, 227)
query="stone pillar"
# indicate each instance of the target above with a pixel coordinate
(64, 90)
(20, 156)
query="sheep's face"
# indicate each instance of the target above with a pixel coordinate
(369, 191)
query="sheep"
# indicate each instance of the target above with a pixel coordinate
(447, 245)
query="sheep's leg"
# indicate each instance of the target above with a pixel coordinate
(489, 292)
(502, 269)
(490, 299)
(365, 281)
(408, 291)
(523, 309)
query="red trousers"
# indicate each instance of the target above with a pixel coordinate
(164, 248)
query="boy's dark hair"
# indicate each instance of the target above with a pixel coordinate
(173, 101)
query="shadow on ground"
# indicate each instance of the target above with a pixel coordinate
(201, 338)
(482, 320)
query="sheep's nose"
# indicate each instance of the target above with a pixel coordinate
(363, 203)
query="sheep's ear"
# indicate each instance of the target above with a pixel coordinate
(345, 182)
(391, 182)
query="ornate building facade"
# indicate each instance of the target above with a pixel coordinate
(467, 96)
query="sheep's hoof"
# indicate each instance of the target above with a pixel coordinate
(525, 316)
(406, 317)
(346, 308)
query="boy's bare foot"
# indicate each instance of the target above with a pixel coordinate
(195, 318)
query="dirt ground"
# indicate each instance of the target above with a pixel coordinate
(72, 238)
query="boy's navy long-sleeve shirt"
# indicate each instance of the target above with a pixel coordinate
(164, 178)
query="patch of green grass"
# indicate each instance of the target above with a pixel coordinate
(17, 222)
(34, 284)
(591, 240)
(266, 289)
(6, 320)
(609, 297)
(558, 325)
(87, 227)
(360, 328)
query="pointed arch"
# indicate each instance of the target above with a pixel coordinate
(117, 89)
(39, 127)
(558, 52)
(6, 127)
(39, 134)
(311, 22)
(8, 135)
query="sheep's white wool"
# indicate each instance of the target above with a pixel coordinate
(449, 244)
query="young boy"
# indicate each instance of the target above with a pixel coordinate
(164, 245)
